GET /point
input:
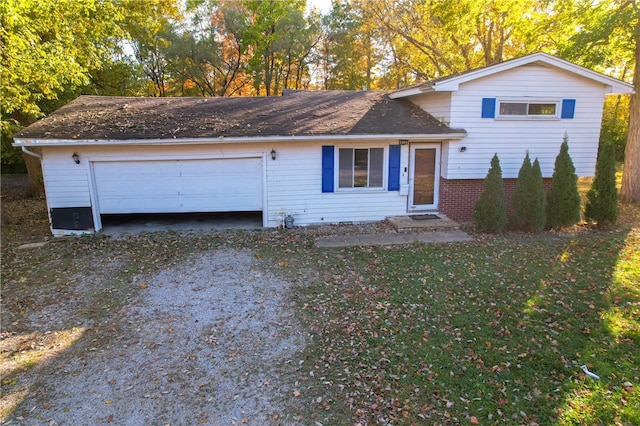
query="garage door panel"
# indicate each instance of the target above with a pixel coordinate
(179, 186)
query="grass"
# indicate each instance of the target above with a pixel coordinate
(489, 332)
(486, 332)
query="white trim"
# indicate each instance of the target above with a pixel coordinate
(31, 153)
(361, 189)
(93, 197)
(196, 141)
(266, 156)
(436, 184)
(528, 101)
(172, 156)
(409, 91)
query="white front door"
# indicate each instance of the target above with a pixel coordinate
(424, 177)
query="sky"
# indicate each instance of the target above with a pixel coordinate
(323, 5)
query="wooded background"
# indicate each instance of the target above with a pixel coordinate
(54, 50)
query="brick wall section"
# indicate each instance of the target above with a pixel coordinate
(458, 196)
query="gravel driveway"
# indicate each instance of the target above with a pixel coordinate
(203, 342)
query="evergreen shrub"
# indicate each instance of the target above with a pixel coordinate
(602, 198)
(490, 211)
(563, 200)
(528, 200)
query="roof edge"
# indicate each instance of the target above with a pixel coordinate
(406, 92)
(456, 135)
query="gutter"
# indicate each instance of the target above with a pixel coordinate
(459, 134)
(31, 153)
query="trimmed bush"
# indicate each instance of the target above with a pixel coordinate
(563, 200)
(490, 211)
(602, 198)
(528, 201)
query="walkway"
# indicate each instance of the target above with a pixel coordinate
(387, 239)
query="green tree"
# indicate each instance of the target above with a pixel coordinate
(150, 26)
(350, 48)
(563, 200)
(528, 200)
(12, 161)
(269, 28)
(490, 211)
(602, 198)
(48, 46)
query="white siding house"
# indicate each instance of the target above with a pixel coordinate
(322, 157)
(512, 136)
(524, 105)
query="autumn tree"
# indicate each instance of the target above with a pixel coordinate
(615, 123)
(271, 37)
(451, 36)
(349, 54)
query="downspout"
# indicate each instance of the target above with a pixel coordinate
(31, 153)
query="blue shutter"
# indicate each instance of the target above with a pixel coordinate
(568, 108)
(488, 107)
(394, 168)
(327, 168)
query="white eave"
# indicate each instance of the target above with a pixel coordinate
(241, 140)
(612, 85)
(409, 91)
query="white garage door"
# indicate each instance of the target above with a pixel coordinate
(179, 186)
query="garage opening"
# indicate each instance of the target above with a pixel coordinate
(204, 221)
(179, 194)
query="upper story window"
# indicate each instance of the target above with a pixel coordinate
(360, 167)
(527, 109)
(522, 109)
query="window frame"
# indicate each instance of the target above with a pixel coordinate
(384, 169)
(528, 102)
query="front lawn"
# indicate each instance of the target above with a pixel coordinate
(489, 332)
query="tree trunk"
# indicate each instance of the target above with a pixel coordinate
(630, 191)
(34, 169)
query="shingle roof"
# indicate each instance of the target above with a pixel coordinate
(296, 113)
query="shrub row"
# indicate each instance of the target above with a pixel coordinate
(533, 210)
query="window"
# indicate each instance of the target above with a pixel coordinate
(528, 109)
(360, 167)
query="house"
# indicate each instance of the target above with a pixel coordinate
(321, 157)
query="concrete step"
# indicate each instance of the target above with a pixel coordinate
(409, 224)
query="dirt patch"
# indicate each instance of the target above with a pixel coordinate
(203, 342)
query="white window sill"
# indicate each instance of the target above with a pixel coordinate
(527, 118)
(361, 190)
